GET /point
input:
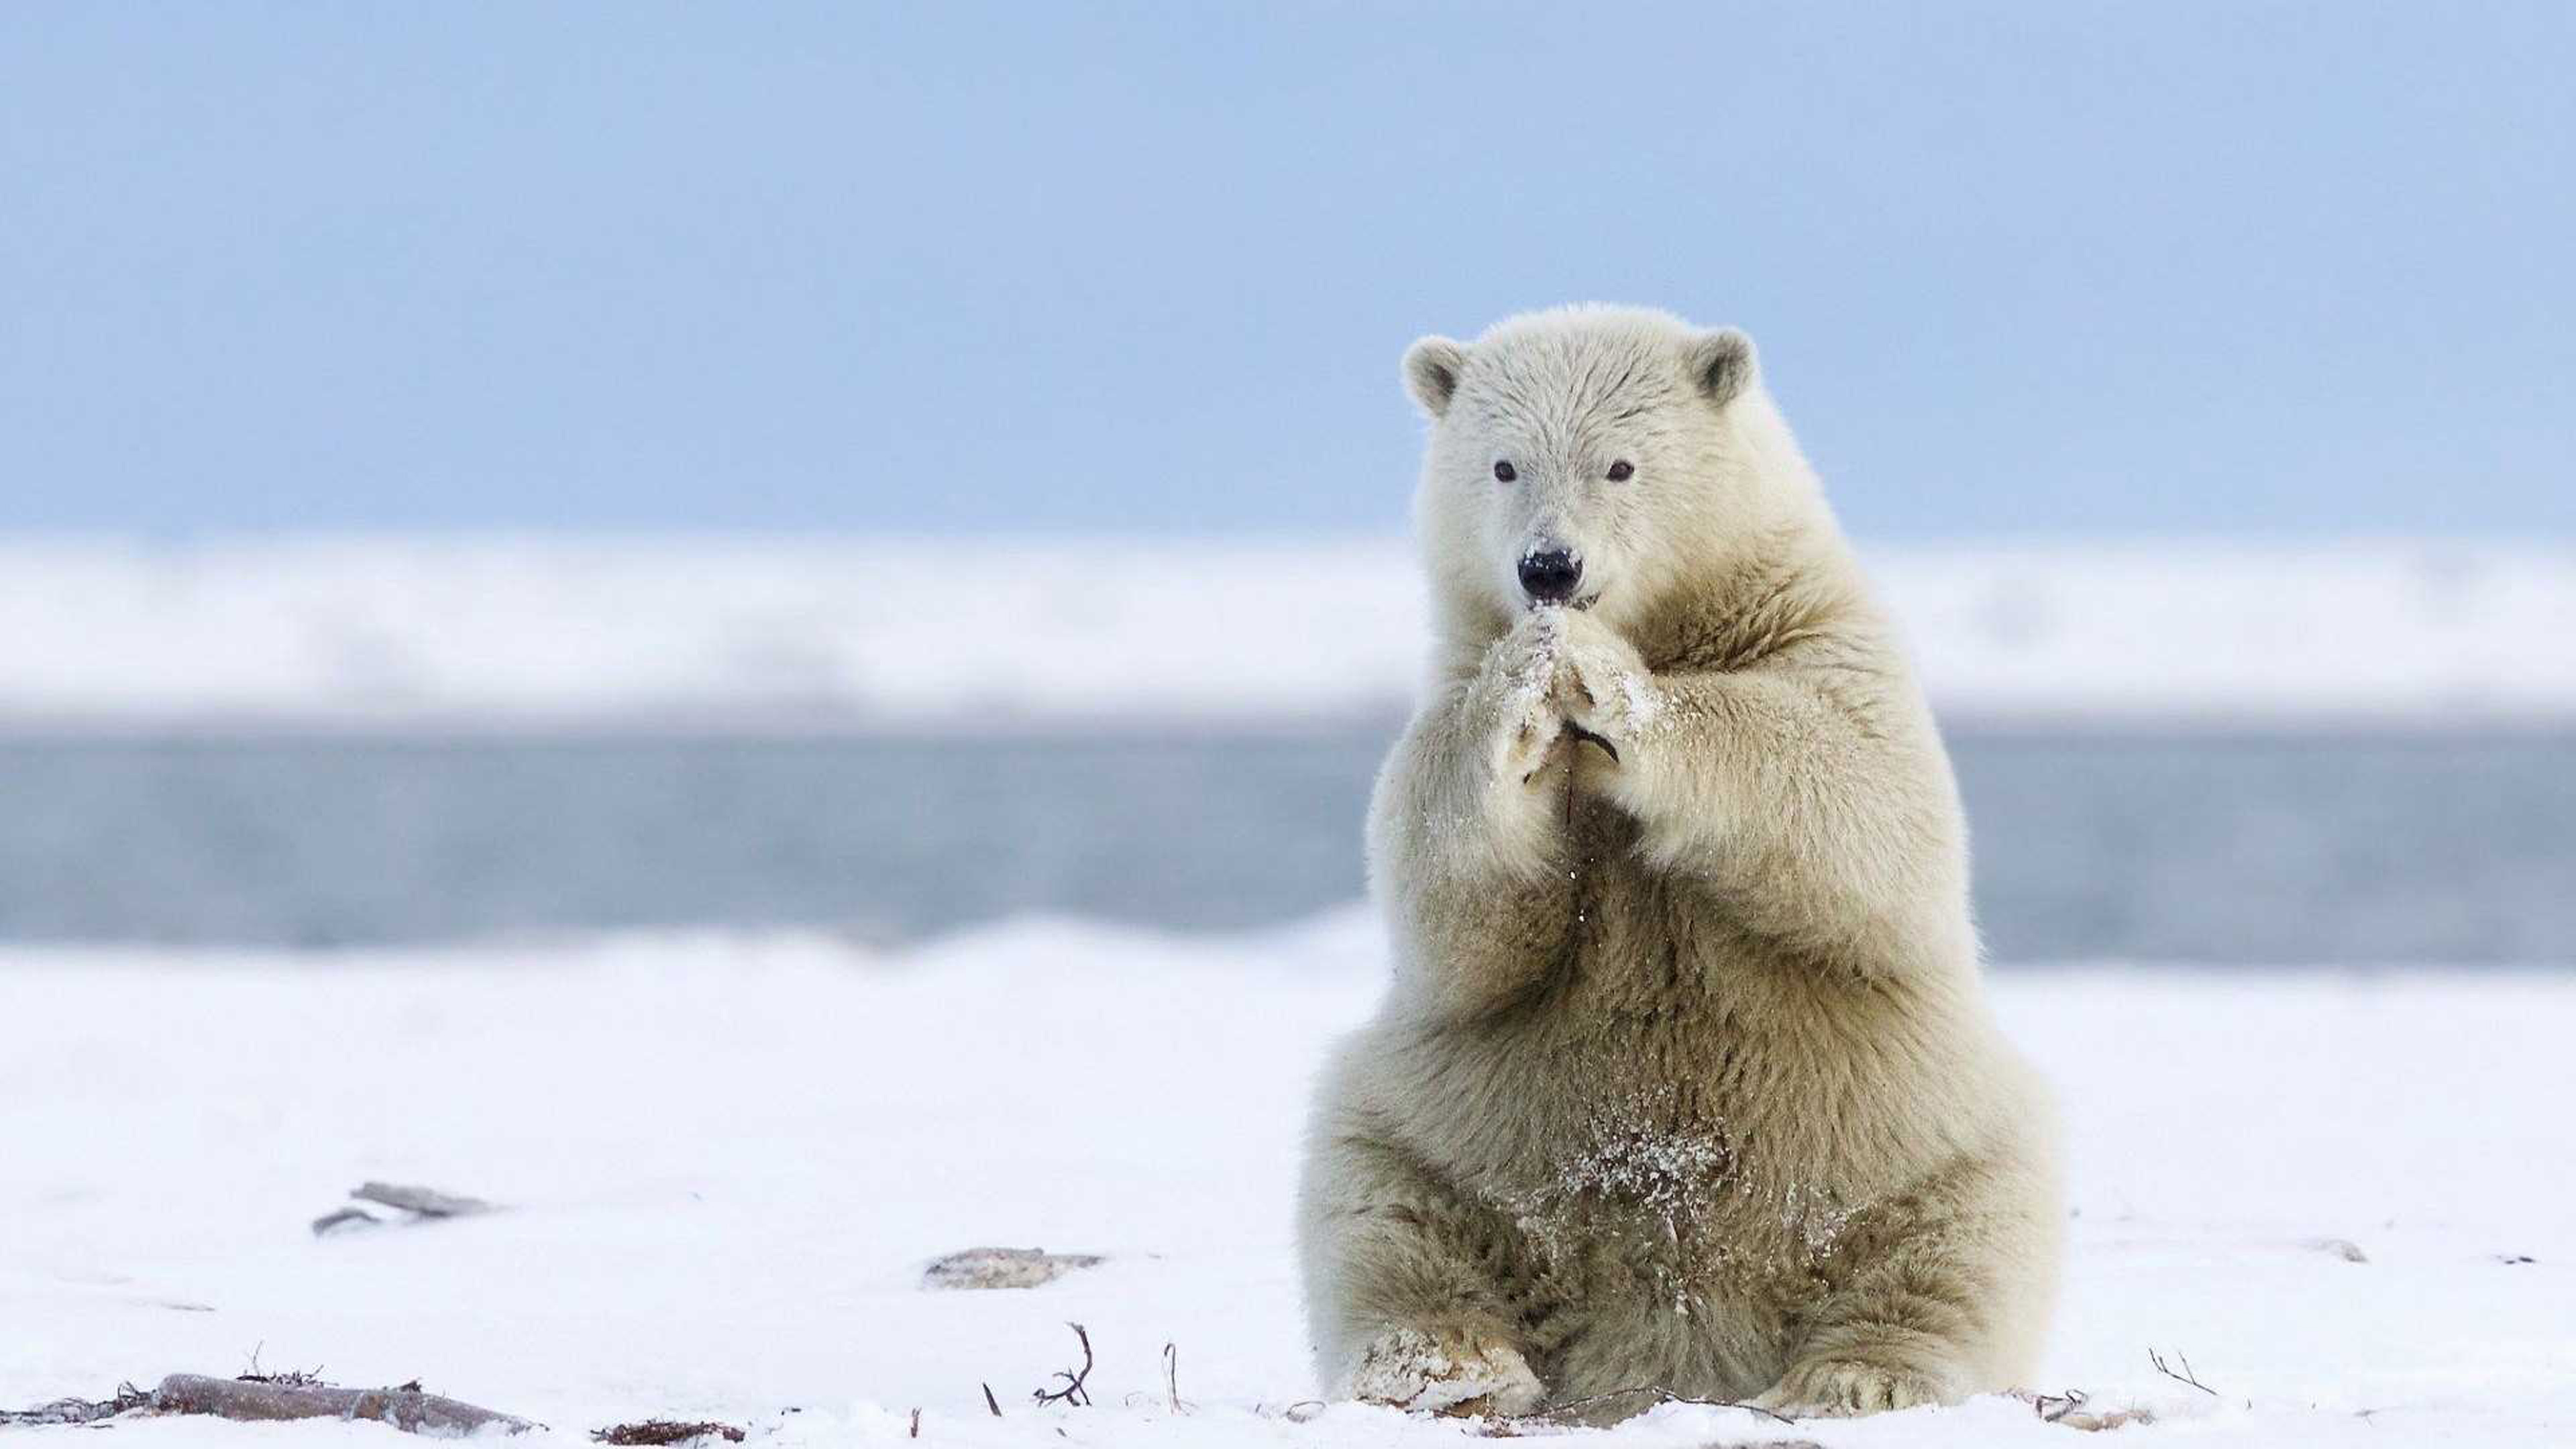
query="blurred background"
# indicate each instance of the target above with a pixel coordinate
(481, 471)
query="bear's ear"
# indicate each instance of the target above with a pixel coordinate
(1431, 368)
(1721, 362)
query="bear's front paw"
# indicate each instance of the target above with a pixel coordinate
(1515, 687)
(1602, 685)
(1451, 1371)
(1840, 1388)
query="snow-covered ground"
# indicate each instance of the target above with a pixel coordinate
(726, 1161)
(903, 632)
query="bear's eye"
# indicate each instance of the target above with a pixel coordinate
(1503, 470)
(1620, 472)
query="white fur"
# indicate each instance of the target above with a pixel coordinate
(1685, 1079)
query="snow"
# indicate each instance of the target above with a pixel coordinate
(724, 1162)
(932, 632)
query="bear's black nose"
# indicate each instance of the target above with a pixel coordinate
(1550, 577)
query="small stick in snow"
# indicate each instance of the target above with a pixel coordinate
(2093, 1423)
(916, 1424)
(77, 1411)
(292, 1378)
(665, 1431)
(1172, 1377)
(2184, 1377)
(2054, 1407)
(2073, 1409)
(1073, 1391)
(989, 1401)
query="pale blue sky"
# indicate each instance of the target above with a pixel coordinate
(2040, 269)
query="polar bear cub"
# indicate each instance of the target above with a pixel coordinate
(1685, 1080)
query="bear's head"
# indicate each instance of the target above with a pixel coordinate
(1592, 457)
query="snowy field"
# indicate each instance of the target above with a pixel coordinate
(725, 1162)
(908, 633)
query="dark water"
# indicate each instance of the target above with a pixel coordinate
(2269, 849)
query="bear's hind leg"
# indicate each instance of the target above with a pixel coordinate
(1410, 1289)
(1946, 1295)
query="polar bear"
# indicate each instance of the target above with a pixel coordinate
(1684, 1080)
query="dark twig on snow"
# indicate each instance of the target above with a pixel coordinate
(77, 1411)
(2054, 1407)
(990, 1402)
(916, 1425)
(292, 1378)
(2073, 1410)
(1073, 1391)
(665, 1431)
(1172, 1378)
(2184, 1377)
